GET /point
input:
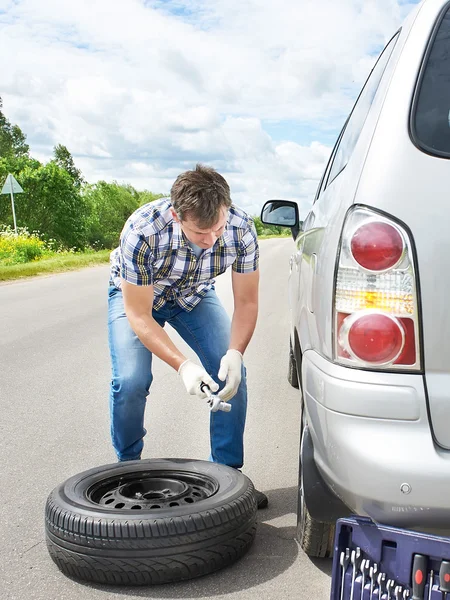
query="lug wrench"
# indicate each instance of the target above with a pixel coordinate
(344, 561)
(214, 401)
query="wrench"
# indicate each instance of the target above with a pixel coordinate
(215, 403)
(344, 561)
(390, 584)
(398, 592)
(355, 559)
(364, 568)
(381, 580)
(373, 577)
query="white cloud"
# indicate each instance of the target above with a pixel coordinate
(140, 91)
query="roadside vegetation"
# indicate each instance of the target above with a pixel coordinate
(63, 222)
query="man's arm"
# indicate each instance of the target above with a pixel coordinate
(138, 302)
(245, 292)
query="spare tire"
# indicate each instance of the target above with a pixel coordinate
(148, 522)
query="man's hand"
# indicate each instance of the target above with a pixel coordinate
(231, 370)
(193, 376)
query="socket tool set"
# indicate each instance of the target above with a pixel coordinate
(378, 562)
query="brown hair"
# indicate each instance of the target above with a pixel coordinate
(200, 195)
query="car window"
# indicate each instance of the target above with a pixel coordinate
(324, 177)
(357, 118)
(431, 121)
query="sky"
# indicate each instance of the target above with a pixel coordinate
(142, 90)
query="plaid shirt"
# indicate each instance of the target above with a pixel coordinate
(153, 251)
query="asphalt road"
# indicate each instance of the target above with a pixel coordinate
(54, 376)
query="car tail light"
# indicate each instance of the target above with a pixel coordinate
(376, 317)
(377, 246)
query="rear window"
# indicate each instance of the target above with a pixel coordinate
(431, 113)
(357, 118)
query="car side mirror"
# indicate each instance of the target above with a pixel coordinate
(282, 213)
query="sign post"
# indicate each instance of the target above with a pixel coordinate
(12, 186)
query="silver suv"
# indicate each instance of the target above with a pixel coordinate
(369, 293)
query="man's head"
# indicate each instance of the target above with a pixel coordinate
(200, 201)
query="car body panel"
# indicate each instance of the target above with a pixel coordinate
(375, 430)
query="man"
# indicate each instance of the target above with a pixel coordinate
(163, 272)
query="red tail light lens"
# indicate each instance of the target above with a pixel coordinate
(377, 246)
(373, 338)
(376, 313)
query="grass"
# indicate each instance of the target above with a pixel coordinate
(59, 263)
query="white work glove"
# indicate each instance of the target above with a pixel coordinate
(193, 376)
(231, 370)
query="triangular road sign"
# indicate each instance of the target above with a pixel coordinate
(11, 185)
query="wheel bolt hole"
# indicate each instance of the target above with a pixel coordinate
(136, 507)
(189, 500)
(155, 506)
(109, 501)
(120, 505)
(174, 504)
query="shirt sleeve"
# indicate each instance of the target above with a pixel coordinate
(247, 259)
(136, 258)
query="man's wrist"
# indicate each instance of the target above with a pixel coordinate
(178, 362)
(234, 349)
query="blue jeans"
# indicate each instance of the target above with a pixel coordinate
(206, 329)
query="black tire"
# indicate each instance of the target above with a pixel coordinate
(316, 538)
(95, 532)
(292, 368)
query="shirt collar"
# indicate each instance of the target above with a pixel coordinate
(179, 239)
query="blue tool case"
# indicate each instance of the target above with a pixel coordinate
(377, 562)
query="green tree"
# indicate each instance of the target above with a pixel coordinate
(110, 205)
(12, 139)
(64, 159)
(14, 165)
(258, 225)
(145, 197)
(51, 204)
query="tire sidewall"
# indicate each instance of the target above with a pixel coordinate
(72, 494)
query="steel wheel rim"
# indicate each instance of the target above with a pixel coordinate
(151, 490)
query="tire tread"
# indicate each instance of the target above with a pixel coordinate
(151, 570)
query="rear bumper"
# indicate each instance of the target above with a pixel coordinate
(373, 446)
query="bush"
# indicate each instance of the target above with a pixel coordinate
(110, 205)
(20, 248)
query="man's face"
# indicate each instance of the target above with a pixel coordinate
(204, 238)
